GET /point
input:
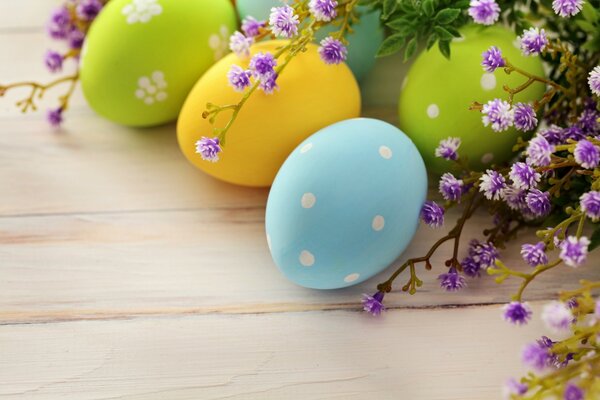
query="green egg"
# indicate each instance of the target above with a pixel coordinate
(142, 57)
(437, 92)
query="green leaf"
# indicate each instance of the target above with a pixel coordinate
(590, 13)
(443, 33)
(447, 16)
(410, 48)
(594, 240)
(431, 40)
(401, 25)
(453, 31)
(392, 44)
(389, 6)
(444, 46)
(428, 7)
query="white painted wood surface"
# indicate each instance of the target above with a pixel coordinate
(127, 274)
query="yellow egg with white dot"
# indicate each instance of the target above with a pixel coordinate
(311, 96)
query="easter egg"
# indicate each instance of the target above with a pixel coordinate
(142, 57)
(268, 127)
(345, 204)
(362, 43)
(436, 95)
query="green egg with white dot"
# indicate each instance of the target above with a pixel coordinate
(437, 92)
(142, 57)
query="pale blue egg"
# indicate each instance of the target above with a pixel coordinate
(345, 204)
(363, 42)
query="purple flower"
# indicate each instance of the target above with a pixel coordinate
(557, 316)
(87, 10)
(590, 205)
(450, 187)
(76, 38)
(492, 184)
(262, 65)
(594, 80)
(452, 281)
(485, 254)
(512, 387)
(537, 356)
(574, 251)
(239, 78)
(59, 24)
(373, 304)
(573, 132)
(492, 59)
(332, 51)
(432, 214)
(534, 254)
(208, 148)
(55, 117)
(269, 84)
(283, 22)
(538, 202)
(524, 176)
(498, 114)
(448, 149)
(539, 151)
(553, 134)
(567, 8)
(485, 12)
(517, 313)
(240, 44)
(587, 154)
(54, 61)
(323, 10)
(471, 267)
(525, 118)
(572, 392)
(515, 198)
(588, 121)
(252, 27)
(533, 41)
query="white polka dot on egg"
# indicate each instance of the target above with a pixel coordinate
(433, 111)
(306, 148)
(488, 81)
(378, 223)
(306, 258)
(308, 200)
(351, 278)
(385, 152)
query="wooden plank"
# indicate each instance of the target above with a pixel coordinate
(435, 355)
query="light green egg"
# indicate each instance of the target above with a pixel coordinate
(363, 42)
(142, 57)
(436, 95)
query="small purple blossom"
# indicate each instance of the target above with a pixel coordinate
(539, 151)
(240, 44)
(590, 205)
(557, 316)
(59, 24)
(573, 132)
(534, 254)
(515, 198)
(538, 202)
(452, 281)
(432, 214)
(573, 392)
(567, 8)
(492, 184)
(55, 117)
(332, 51)
(54, 61)
(524, 176)
(471, 267)
(323, 10)
(525, 118)
(517, 313)
(537, 356)
(373, 304)
(553, 134)
(262, 65)
(498, 114)
(594, 80)
(573, 251)
(513, 387)
(588, 121)
(485, 12)
(587, 154)
(492, 59)
(209, 149)
(283, 21)
(239, 78)
(251, 27)
(450, 187)
(269, 84)
(484, 253)
(87, 10)
(533, 41)
(76, 38)
(448, 149)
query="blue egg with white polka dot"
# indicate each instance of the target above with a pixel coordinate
(345, 204)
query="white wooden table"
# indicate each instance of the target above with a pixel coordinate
(127, 274)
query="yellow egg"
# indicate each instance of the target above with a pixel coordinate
(312, 95)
